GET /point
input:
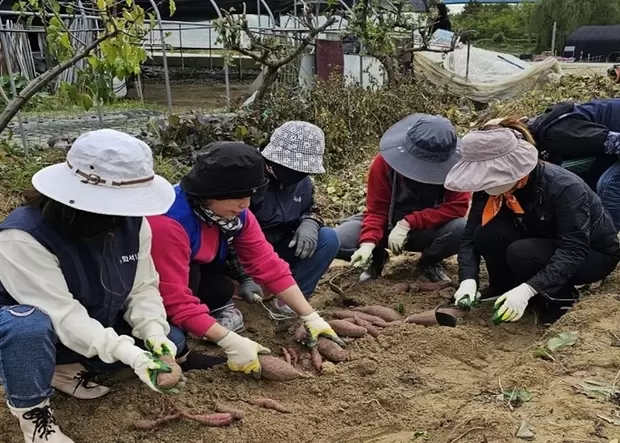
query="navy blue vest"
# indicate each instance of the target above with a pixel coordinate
(280, 207)
(99, 272)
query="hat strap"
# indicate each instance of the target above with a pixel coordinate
(94, 179)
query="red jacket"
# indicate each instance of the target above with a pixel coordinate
(378, 200)
(171, 252)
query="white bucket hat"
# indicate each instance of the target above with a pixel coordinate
(107, 172)
(491, 158)
(298, 146)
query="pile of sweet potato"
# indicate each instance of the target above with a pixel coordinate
(348, 324)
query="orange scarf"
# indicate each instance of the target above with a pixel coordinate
(494, 203)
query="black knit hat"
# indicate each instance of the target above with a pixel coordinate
(226, 170)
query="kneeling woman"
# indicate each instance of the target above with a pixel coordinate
(77, 280)
(190, 247)
(540, 229)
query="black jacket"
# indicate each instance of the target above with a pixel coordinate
(558, 205)
(568, 131)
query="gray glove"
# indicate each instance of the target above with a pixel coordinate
(306, 238)
(247, 289)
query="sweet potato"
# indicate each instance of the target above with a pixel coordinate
(347, 329)
(294, 356)
(269, 403)
(383, 312)
(147, 425)
(286, 354)
(433, 287)
(372, 329)
(300, 334)
(215, 420)
(169, 380)
(345, 315)
(275, 369)
(237, 414)
(316, 359)
(330, 350)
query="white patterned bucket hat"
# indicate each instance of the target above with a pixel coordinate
(298, 146)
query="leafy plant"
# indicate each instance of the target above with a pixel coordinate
(562, 340)
(516, 397)
(114, 52)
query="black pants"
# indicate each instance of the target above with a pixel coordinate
(210, 284)
(512, 258)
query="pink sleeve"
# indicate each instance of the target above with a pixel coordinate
(171, 254)
(260, 260)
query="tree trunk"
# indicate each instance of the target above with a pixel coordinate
(270, 78)
(43, 80)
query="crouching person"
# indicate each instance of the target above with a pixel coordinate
(191, 244)
(540, 229)
(77, 282)
(407, 206)
(286, 212)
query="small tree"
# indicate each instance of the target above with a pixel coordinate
(376, 24)
(271, 51)
(115, 50)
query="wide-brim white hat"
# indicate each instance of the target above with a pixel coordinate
(491, 158)
(107, 172)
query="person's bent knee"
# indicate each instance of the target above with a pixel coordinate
(177, 336)
(522, 255)
(28, 321)
(329, 241)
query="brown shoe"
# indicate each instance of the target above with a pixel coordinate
(75, 381)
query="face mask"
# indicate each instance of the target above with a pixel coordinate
(499, 190)
(285, 175)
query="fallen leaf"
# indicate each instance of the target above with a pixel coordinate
(542, 353)
(563, 340)
(517, 396)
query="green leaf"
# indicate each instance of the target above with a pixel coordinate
(542, 353)
(101, 5)
(563, 340)
(173, 7)
(87, 102)
(517, 396)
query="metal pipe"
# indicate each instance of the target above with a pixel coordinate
(269, 11)
(163, 53)
(9, 68)
(219, 13)
(553, 35)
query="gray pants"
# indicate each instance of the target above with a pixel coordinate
(434, 244)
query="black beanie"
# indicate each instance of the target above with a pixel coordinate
(226, 170)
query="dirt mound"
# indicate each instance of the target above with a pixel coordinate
(468, 384)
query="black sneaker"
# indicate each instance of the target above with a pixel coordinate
(196, 360)
(435, 273)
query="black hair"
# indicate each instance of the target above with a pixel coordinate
(73, 222)
(442, 9)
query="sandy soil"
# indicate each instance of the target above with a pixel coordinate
(411, 384)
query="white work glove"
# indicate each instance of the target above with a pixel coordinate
(160, 345)
(249, 289)
(361, 257)
(317, 327)
(511, 306)
(242, 353)
(147, 367)
(398, 236)
(467, 295)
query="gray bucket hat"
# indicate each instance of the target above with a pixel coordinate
(298, 146)
(491, 158)
(421, 147)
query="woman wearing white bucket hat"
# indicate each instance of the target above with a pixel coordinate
(77, 280)
(539, 227)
